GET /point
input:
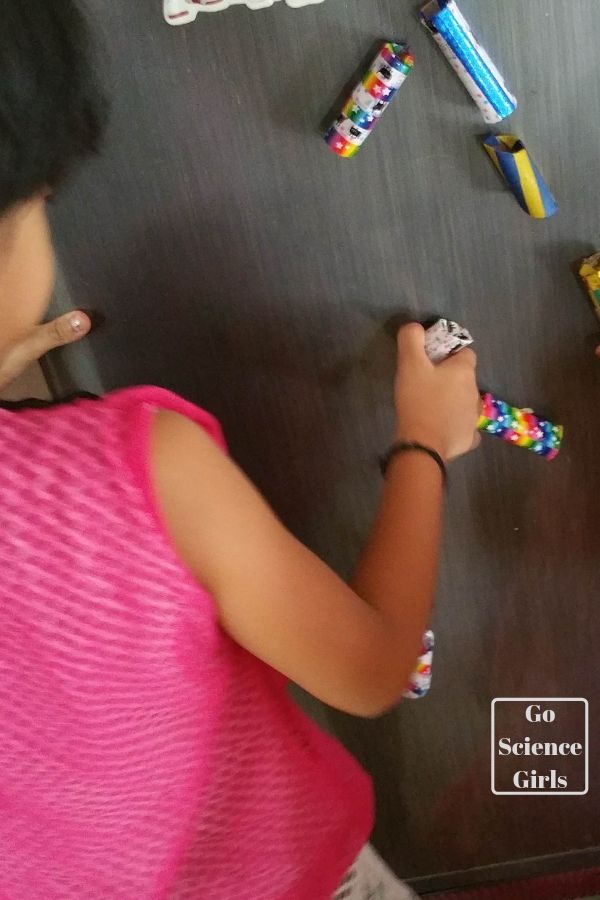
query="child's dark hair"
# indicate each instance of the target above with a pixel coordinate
(51, 109)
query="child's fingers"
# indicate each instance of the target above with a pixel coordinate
(61, 331)
(598, 351)
(411, 342)
(466, 356)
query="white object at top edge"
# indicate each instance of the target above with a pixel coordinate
(180, 12)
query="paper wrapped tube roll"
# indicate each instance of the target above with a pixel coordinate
(483, 81)
(589, 272)
(369, 99)
(444, 338)
(520, 427)
(420, 680)
(521, 174)
(516, 426)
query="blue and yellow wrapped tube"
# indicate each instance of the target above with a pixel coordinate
(521, 174)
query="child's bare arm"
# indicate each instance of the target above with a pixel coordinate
(275, 597)
(354, 649)
(437, 406)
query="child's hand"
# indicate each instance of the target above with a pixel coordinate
(61, 331)
(436, 405)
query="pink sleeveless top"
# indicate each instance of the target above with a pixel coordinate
(143, 753)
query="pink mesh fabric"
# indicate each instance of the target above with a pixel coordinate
(143, 753)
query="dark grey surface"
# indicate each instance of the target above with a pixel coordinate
(242, 264)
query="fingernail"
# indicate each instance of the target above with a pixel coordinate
(76, 322)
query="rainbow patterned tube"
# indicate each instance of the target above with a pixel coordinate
(589, 272)
(369, 99)
(521, 174)
(452, 33)
(420, 680)
(520, 427)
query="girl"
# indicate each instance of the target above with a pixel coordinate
(152, 607)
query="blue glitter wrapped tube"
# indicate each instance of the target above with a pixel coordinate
(483, 81)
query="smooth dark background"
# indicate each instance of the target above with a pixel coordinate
(242, 264)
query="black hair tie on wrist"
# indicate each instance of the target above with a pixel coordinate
(407, 446)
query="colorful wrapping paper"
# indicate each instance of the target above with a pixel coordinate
(521, 174)
(520, 427)
(589, 272)
(483, 81)
(369, 99)
(420, 680)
